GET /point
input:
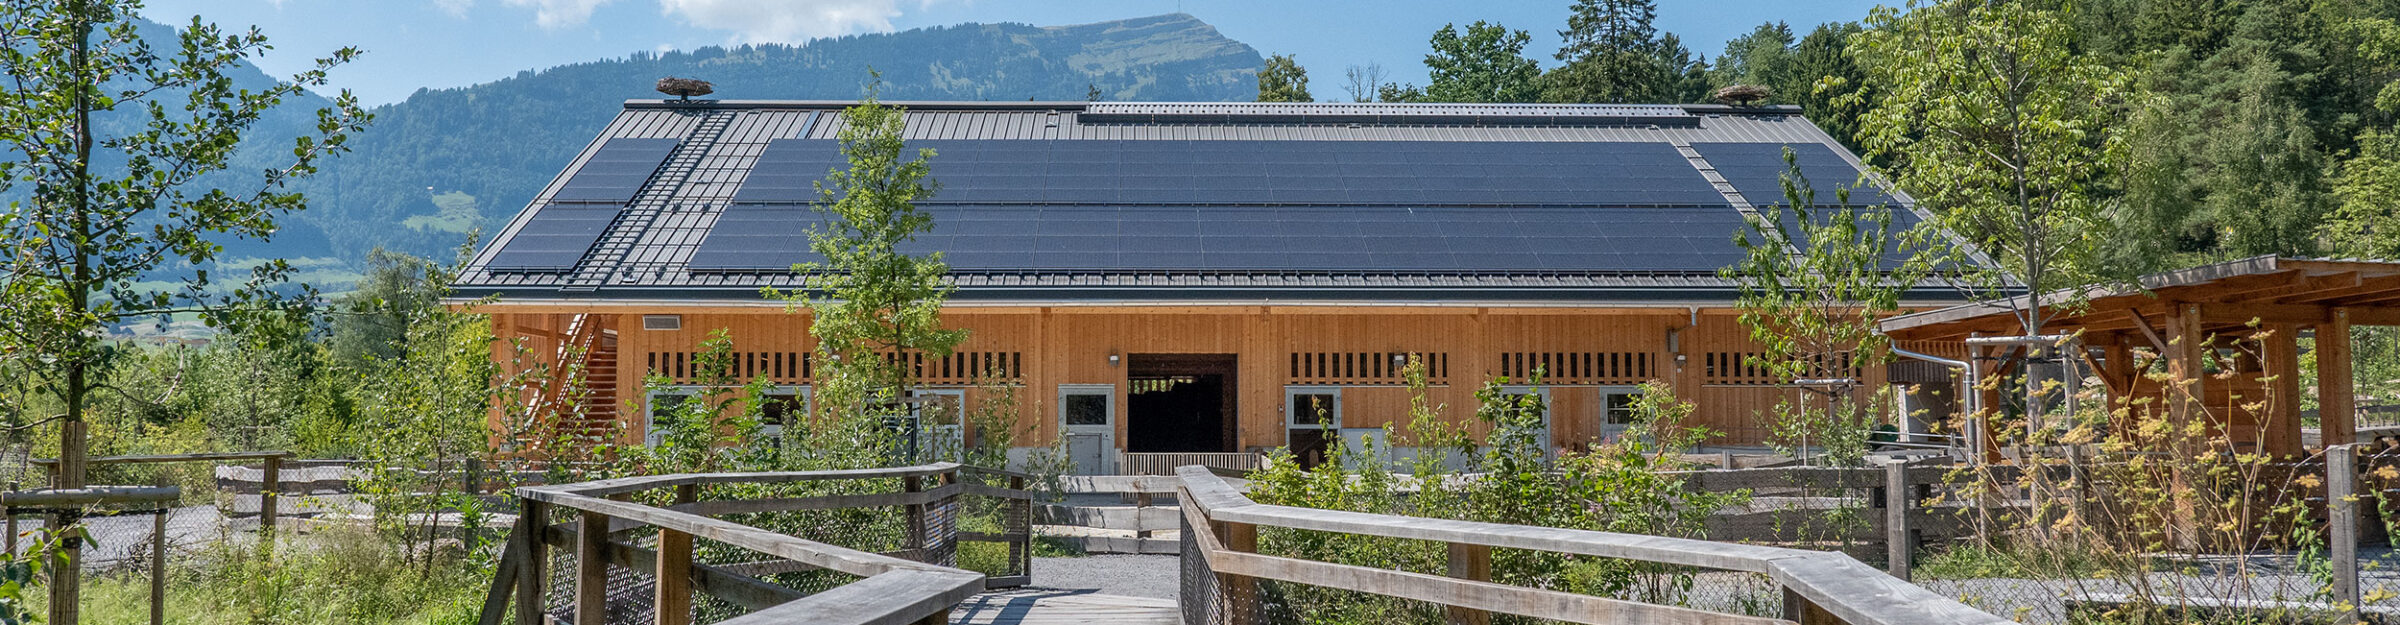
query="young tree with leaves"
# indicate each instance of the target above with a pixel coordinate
(1814, 281)
(873, 306)
(1283, 80)
(111, 141)
(1987, 115)
(1484, 64)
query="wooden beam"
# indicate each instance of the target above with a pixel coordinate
(672, 593)
(2280, 435)
(2336, 386)
(2143, 326)
(2365, 286)
(2236, 288)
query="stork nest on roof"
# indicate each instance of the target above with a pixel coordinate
(685, 88)
(1743, 95)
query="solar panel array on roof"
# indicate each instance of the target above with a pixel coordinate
(1269, 173)
(1002, 238)
(555, 239)
(1756, 170)
(616, 172)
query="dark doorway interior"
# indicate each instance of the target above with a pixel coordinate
(1180, 403)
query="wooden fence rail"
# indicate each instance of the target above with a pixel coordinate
(910, 586)
(1816, 587)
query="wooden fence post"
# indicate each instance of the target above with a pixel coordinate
(916, 519)
(533, 581)
(1800, 610)
(1141, 533)
(671, 601)
(12, 526)
(158, 560)
(472, 481)
(269, 490)
(1899, 541)
(2341, 516)
(1019, 525)
(1237, 595)
(1470, 562)
(591, 568)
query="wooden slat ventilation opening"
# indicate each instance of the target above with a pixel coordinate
(1580, 367)
(1364, 367)
(1738, 369)
(777, 366)
(957, 368)
(966, 367)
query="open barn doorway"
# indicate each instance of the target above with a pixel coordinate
(1180, 403)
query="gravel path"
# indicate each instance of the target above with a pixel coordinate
(1127, 575)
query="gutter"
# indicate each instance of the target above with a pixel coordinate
(1971, 400)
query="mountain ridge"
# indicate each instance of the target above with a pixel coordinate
(444, 162)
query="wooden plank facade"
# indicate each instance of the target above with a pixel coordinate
(1356, 351)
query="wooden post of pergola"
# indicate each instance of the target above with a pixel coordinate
(2337, 404)
(2280, 351)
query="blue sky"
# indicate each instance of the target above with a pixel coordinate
(447, 43)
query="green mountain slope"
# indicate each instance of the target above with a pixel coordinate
(444, 162)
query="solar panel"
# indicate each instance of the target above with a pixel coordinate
(1263, 173)
(616, 172)
(1003, 238)
(1756, 170)
(555, 238)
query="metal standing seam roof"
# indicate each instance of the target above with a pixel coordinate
(648, 250)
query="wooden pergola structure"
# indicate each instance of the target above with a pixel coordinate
(2229, 331)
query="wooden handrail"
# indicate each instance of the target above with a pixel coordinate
(171, 458)
(91, 496)
(1817, 585)
(893, 590)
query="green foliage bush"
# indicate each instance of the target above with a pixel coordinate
(1616, 486)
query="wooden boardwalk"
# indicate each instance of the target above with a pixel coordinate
(1037, 606)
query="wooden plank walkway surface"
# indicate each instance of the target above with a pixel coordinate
(1039, 606)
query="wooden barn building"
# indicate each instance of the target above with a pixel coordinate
(1197, 278)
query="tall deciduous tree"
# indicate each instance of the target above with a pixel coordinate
(1610, 54)
(1987, 115)
(873, 306)
(1761, 57)
(1283, 80)
(1484, 64)
(108, 141)
(1814, 278)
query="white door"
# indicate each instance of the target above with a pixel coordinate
(1087, 416)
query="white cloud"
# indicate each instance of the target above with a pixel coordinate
(456, 8)
(557, 13)
(784, 21)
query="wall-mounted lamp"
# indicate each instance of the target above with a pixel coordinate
(1399, 361)
(1114, 359)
